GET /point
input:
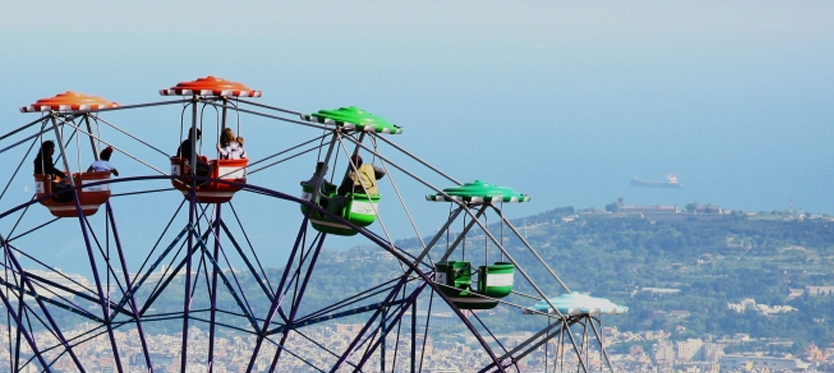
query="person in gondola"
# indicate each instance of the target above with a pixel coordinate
(103, 164)
(43, 161)
(326, 187)
(242, 151)
(44, 166)
(188, 148)
(361, 178)
(229, 147)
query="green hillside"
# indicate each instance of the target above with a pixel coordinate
(682, 274)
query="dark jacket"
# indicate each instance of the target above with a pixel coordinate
(44, 165)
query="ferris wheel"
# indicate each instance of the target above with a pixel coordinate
(176, 247)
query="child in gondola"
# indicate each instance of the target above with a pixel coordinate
(103, 164)
(229, 146)
(242, 151)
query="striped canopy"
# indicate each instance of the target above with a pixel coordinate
(353, 118)
(210, 86)
(70, 101)
(579, 304)
(479, 192)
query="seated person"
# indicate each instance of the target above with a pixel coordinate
(242, 151)
(229, 147)
(43, 161)
(187, 150)
(325, 188)
(103, 164)
(44, 166)
(360, 179)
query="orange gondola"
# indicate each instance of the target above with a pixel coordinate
(89, 197)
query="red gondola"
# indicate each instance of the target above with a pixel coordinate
(222, 171)
(229, 170)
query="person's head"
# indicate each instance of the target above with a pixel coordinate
(47, 148)
(320, 168)
(226, 136)
(194, 134)
(106, 153)
(356, 159)
(240, 140)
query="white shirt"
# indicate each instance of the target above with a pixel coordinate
(102, 166)
(232, 151)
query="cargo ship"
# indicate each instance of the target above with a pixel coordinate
(671, 182)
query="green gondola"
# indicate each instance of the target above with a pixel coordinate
(360, 210)
(454, 278)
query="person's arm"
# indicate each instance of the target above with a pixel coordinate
(346, 186)
(115, 172)
(90, 169)
(56, 172)
(327, 187)
(224, 153)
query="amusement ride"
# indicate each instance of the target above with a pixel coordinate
(175, 254)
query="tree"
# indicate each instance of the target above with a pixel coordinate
(691, 207)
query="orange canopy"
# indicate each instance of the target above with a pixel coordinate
(70, 101)
(210, 86)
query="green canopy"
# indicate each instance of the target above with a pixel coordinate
(355, 119)
(479, 192)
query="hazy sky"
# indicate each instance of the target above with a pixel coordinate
(566, 101)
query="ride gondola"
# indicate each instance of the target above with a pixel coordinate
(224, 177)
(454, 278)
(360, 208)
(69, 106)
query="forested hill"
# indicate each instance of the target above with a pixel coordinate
(754, 256)
(703, 263)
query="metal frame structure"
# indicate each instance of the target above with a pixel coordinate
(187, 285)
